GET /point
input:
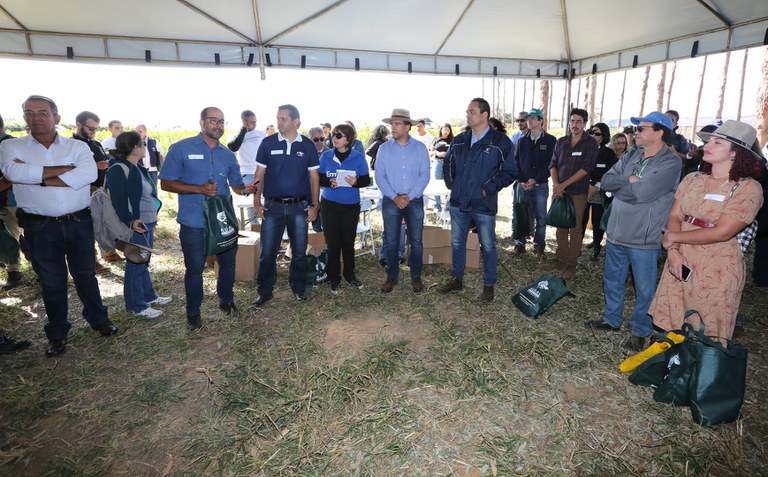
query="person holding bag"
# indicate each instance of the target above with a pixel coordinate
(134, 198)
(705, 268)
(198, 168)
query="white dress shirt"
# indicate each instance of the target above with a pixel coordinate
(51, 201)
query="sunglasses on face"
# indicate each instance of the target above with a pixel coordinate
(338, 135)
(595, 133)
(318, 139)
(640, 129)
(93, 130)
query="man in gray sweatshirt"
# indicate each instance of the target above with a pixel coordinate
(643, 186)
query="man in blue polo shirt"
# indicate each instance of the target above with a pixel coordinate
(287, 171)
(196, 167)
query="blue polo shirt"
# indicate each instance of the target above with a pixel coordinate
(287, 166)
(191, 161)
(329, 163)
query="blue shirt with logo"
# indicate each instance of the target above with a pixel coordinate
(287, 166)
(329, 164)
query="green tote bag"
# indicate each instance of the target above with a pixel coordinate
(220, 224)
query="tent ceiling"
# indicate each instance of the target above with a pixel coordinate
(520, 38)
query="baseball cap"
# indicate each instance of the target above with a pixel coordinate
(655, 117)
(535, 112)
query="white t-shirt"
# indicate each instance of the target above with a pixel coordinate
(108, 143)
(246, 155)
(426, 139)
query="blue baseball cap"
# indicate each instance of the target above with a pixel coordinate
(655, 117)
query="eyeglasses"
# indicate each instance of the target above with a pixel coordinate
(93, 130)
(576, 121)
(318, 139)
(595, 133)
(338, 135)
(642, 128)
(216, 121)
(521, 120)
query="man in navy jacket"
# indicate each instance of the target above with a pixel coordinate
(477, 166)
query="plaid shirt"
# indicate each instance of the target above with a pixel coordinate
(569, 160)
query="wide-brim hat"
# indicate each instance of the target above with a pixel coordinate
(399, 114)
(736, 132)
(135, 253)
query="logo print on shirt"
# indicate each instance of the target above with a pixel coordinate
(300, 154)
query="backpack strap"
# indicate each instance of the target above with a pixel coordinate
(126, 172)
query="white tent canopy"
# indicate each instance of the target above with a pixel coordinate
(505, 38)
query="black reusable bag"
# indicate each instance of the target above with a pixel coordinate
(521, 224)
(219, 223)
(536, 298)
(562, 213)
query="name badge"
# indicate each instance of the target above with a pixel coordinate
(543, 147)
(600, 166)
(275, 152)
(196, 156)
(715, 197)
(576, 154)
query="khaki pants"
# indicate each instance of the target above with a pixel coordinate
(8, 215)
(569, 240)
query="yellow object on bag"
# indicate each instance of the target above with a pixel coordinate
(631, 363)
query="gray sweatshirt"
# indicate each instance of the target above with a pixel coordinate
(640, 210)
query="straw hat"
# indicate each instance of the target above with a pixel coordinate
(736, 132)
(399, 114)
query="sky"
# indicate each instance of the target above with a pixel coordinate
(165, 97)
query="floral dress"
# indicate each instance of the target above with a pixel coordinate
(718, 271)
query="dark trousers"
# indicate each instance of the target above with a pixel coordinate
(340, 228)
(760, 264)
(597, 216)
(56, 247)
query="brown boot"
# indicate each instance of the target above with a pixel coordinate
(569, 272)
(389, 285)
(418, 285)
(452, 284)
(487, 294)
(538, 251)
(518, 250)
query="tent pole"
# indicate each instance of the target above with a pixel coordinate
(698, 98)
(741, 90)
(257, 22)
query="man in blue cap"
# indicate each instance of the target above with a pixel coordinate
(643, 185)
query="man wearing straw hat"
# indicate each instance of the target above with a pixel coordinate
(402, 174)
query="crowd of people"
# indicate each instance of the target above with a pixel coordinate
(632, 186)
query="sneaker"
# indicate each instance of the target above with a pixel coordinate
(161, 300)
(335, 286)
(261, 300)
(300, 296)
(10, 346)
(149, 312)
(355, 282)
(569, 272)
(452, 284)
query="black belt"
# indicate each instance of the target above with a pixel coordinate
(288, 200)
(80, 214)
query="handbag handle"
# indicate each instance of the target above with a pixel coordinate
(691, 334)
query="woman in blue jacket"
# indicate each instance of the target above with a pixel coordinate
(340, 204)
(134, 198)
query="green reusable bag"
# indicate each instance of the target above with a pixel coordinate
(521, 224)
(316, 270)
(536, 298)
(718, 380)
(220, 224)
(679, 364)
(562, 213)
(9, 246)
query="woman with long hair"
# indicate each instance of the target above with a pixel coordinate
(343, 171)
(596, 199)
(705, 268)
(134, 198)
(437, 152)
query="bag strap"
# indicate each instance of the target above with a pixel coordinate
(691, 334)
(126, 172)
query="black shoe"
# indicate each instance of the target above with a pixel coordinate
(56, 347)
(600, 325)
(355, 282)
(635, 344)
(300, 296)
(107, 329)
(335, 284)
(261, 299)
(403, 261)
(194, 323)
(487, 294)
(383, 262)
(452, 284)
(590, 245)
(228, 308)
(10, 346)
(14, 280)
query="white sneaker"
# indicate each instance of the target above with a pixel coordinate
(149, 312)
(161, 300)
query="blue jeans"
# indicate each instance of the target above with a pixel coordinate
(644, 269)
(137, 284)
(278, 217)
(536, 199)
(192, 245)
(393, 217)
(486, 230)
(400, 249)
(54, 246)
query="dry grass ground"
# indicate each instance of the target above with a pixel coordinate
(356, 384)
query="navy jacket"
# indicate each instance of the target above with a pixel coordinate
(127, 191)
(533, 157)
(487, 166)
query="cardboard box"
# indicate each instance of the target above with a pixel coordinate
(437, 247)
(248, 253)
(315, 244)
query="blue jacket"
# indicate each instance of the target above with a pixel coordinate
(533, 157)
(124, 191)
(488, 166)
